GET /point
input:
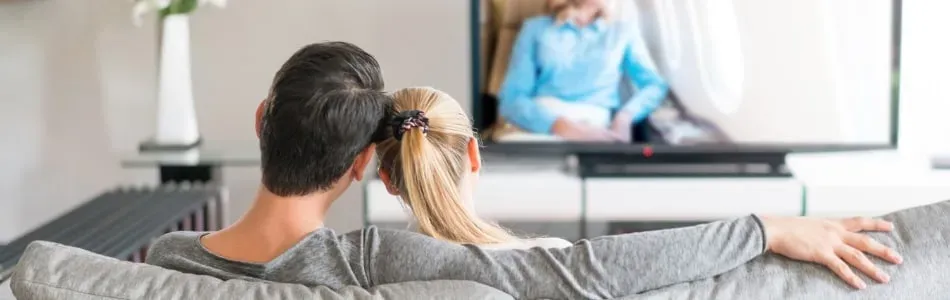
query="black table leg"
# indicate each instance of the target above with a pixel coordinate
(213, 214)
(194, 174)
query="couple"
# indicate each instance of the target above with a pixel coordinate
(325, 118)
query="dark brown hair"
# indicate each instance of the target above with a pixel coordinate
(325, 105)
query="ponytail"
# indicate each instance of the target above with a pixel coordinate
(427, 163)
(434, 198)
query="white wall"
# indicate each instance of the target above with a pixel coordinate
(925, 96)
(77, 81)
(54, 145)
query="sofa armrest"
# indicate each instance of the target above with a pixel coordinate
(921, 235)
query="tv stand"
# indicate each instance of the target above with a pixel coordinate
(554, 201)
(683, 164)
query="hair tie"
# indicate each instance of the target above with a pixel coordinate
(408, 119)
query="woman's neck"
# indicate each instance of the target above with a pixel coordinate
(467, 190)
(584, 16)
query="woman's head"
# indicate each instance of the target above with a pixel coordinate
(564, 10)
(430, 159)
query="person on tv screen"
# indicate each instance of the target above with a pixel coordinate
(565, 74)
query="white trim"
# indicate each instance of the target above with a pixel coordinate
(500, 196)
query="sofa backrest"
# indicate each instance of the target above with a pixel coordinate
(53, 271)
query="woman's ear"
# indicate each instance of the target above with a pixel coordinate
(390, 187)
(258, 118)
(474, 156)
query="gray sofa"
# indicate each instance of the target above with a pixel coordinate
(922, 236)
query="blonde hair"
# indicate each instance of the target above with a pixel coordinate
(427, 168)
(562, 10)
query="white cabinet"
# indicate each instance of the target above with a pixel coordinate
(690, 199)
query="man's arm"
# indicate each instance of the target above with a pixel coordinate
(604, 267)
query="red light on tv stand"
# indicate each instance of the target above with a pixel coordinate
(647, 151)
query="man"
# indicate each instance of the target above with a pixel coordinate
(316, 131)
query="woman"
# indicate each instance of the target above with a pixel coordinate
(434, 170)
(430, 159)
(565, 72)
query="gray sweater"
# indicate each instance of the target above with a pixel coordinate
(603, 267)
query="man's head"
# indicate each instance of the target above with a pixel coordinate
(317, 125)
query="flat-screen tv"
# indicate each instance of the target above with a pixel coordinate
(692, 75)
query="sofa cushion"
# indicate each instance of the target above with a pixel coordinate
(53, 271)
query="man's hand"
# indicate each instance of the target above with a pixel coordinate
(573, 131)
(833, 243)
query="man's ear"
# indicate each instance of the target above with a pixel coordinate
(259, 117)
(390, 187)
(474, 155)
(363, 160)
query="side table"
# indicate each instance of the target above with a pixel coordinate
(201, 165)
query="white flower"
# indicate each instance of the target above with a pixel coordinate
(218, 3)
(143, 7)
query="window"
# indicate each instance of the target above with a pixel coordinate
(715, 36)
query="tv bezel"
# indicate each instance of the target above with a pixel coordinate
(571, 148)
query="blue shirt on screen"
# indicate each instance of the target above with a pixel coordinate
(575, 64)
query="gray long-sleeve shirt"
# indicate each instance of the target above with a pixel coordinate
(603, 267)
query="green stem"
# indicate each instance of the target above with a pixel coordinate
(173, 6)
(179, 7)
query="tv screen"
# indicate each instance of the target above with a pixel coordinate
(686, 73)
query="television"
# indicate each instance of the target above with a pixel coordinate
(692, 76)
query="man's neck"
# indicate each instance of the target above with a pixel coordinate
(278, 220)
(276, 215)
(272, 225)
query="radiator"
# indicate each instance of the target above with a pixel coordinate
(122, 223)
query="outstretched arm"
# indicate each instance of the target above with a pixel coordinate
(516, 96)
(651, 89)
(604, 267)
